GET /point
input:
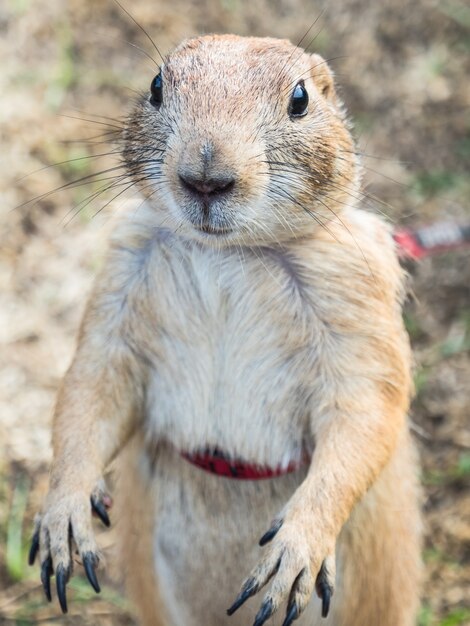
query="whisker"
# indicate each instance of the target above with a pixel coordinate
(103, 189)
(310, 69)
(97, 115)
(66, 161)
(129, 43)
(143, 30)
(113, 199)
(299, 43)
(84, 119)
(69, 185)
(367, 155)
(348, 230)
(315, 217)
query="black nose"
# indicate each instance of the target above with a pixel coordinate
(210, 186)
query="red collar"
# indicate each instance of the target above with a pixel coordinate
(216, 462)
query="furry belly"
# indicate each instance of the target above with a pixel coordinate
(253, 408)
(206, 538)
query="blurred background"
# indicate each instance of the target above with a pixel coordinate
(402, 67)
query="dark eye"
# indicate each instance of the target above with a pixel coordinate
(298, 104)
(156, 89)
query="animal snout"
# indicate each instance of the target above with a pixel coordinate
(205, 186)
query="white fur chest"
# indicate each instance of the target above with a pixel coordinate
(233, 351)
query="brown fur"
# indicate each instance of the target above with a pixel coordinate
(278, 336)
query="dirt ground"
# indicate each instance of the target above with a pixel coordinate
(403, 69)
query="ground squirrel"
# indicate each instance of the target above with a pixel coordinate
(247, 322)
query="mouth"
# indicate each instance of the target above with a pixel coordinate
(213, 230)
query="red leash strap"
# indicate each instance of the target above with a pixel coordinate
(433, 239)
(216, 462)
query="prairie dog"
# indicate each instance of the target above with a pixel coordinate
(247, 321)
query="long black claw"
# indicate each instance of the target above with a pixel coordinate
(61, 578)
(291, 615)
(325, 592)
(266, 538)
(249, 589)
(100, 510)
(89, 563)
(46, 573)
(34, 548)
(265, 612)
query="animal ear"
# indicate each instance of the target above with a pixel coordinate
(322, 77)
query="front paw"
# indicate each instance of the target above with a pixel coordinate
(299, 560)
(65, 522)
